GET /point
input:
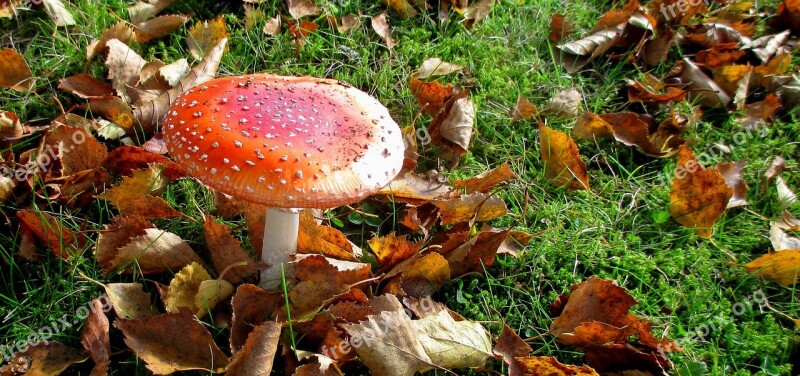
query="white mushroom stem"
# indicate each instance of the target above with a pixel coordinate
(280, 243)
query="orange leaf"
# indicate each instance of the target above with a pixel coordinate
(563, 164)
(699, 196)
(782, 267)
(392, 250)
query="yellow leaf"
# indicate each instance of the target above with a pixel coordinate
(782, 267)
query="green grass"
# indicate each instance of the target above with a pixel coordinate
(619, 231)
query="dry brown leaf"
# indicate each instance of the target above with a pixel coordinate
(85, 86)
(702, 89)
(577, 54)
(402, 7)
(633, 129)
(477, 11)
(126, 159)
(392, 250)
(347, 23)
(130, 301)
(780, 239)
(453, 126)
(204, 36)
(511, 347)
(418, 276)
(53, 232)
(382, 28)
(732, 173)
(114, 109)
(650, 88)
(549, 366)
(434, 66)
(563, 163)
(58, 12)
(476, 254)
(78, 149)
(699, 195)
(302, 8)
(453, 344)
(416, 189)
(716, 56)
(523, 109)
(782, 267)
(95, 337)
(474, 207)
(14, 71)
(487, 180)
(141, 182)
(251, 307)
(144, 10)
(256, 356)
(389, 344)
(120, 31)
(590, 126)
(559, 28)
(322, 240)
(565, 103)
(158, 27)
(515, 243)
(430, 95)
(596, 320)
(273, 26)
(42, 359)
(321, 278)
(148, 113)
(767, 46)
(227, 252)
(124, 66)
(173, 342)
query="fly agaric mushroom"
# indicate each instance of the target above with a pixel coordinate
(286, 142)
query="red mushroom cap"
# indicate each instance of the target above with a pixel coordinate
(297, 142)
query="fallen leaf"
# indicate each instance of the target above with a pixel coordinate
(511, 347)
(256, 356)
(419, 276)
(485, 181)
(781, 240)
(324, 240)
(227, 252)
(142, 182)
(596, 320)
(577, 54)
(173, 342)
(702, 89)
(523, 109)
(559, 28)
(205, 70)
(58, 13)
(416, 189)
(776, 166)
(53, 232)
(633, 129)
(78, 149)
(732, 173)
(347, 23)
(767, 46)
(453, 126)
(42, 359)
(782, 267)
(381, 26)
(132, 243)
(143, 10)
(205, 36)
(124, 66)
(563, 164)
(549, 366)
(193, 288)
(402, 7)
(388, 344)
(85, 86)
(785, 195)
(392, 250)
(14, 71)
(251, 307)
(116, 110)
(515, 243)
(252, 16)
(430, 95)
(120, 31)
(650, 88)
(158, 27)
(453, 344)
(590, 126)
(302, 8)
(126, 159)
(321, 278)
(434, 66)
(699, 195)
(474, 207)
(95, 337)
(477, 11)
(476, 254)
(565, 103)
(717, 57)
(130, 301)
(273, 26)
